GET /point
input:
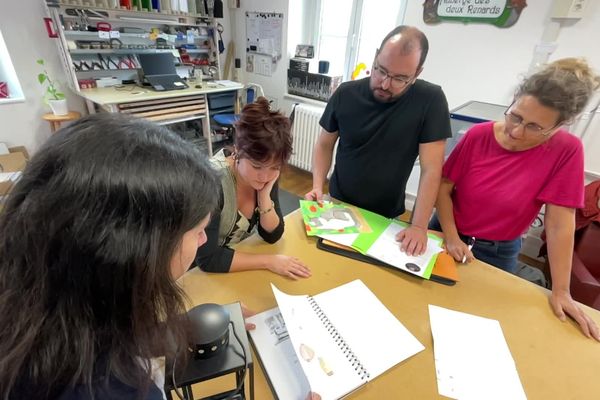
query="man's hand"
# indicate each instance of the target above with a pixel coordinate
(563, 304)
(314, 195)
(288, 266)
(413, 240)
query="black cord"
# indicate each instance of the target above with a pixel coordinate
(239, 387)
(173, 377)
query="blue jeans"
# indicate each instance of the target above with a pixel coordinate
(502, 254)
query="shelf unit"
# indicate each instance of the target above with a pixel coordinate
(75, 44)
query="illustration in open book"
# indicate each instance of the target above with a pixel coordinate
(329, 349)
(332, 218)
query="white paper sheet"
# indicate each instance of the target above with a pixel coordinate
(227, 83)
(377, 338)
(387, 249)
(343, 239)
(472, 358)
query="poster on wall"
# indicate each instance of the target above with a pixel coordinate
(264, 33)
(502, 13)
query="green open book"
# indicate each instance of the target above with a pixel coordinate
(368, 233)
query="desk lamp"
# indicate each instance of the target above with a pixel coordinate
(209, 325)
(210, 330)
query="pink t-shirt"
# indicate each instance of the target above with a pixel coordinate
(498, 193)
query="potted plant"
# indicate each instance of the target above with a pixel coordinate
(55, 99)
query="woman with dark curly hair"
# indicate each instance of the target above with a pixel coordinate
(248, 197)
(92, 239)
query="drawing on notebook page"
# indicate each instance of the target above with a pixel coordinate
(277, 327)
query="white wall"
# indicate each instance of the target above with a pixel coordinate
(275, 85)
(474, 61)
(26, 39)
(580, 38)
(479, 61)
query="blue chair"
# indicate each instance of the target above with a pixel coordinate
(227, 120)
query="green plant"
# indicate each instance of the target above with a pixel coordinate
(52, 92)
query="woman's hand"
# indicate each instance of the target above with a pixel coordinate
(265, 192)
(246, 312)
(288, 266)
(459, 250)
(563, 304)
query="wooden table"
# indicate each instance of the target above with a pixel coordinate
(554, 359)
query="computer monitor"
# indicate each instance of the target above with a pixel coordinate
(157, 64)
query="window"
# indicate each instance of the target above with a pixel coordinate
(350, 31)
(8, 76)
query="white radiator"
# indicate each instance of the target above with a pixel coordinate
(305, 132)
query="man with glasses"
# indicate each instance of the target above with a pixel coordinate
(383, 123)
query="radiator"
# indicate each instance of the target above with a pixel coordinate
(305, 132)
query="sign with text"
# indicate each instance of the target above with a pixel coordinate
(502, 13)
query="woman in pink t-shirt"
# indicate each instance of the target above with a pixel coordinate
(500, 175)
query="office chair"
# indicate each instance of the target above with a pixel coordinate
(228, 120)
(585, 275)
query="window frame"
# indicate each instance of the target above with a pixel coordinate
(9, 75)
(354, 31)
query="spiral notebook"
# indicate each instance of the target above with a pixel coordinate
(331, 343)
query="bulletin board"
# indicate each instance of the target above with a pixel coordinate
(263, 34)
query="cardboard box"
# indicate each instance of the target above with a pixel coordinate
(10, 166)
(314, 86)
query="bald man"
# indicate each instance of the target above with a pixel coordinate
(383, 122)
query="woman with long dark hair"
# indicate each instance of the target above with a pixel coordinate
(107, 215)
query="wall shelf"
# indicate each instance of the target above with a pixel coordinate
(65, 15)
(197, 51)
(94, 35)
(95, 13)
(120, 51)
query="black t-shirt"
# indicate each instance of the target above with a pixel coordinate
(379, 142)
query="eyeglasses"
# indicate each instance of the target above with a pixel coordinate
(530, 127)
(396, 82)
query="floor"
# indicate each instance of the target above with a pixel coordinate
(297, 181)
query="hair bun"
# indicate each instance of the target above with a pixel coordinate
(263, 102)
(578, 67)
